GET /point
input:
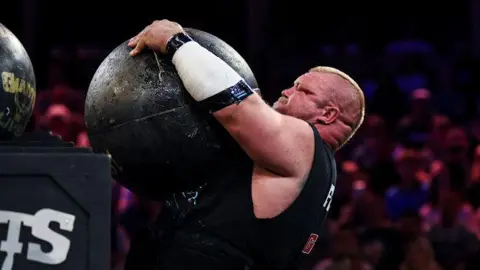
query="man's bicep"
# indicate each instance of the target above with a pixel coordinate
(274, 141)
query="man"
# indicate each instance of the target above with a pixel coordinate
(268, 204)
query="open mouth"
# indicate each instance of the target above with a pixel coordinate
(283, 99)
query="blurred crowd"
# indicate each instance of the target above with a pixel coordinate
(408, 189)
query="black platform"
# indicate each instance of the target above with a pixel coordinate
(59, 197)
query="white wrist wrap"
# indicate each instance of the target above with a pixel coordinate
(203, 74)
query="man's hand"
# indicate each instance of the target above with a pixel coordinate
(155, 36)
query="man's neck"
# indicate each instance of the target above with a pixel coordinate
(331, 136)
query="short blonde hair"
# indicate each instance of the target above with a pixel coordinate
(361, 96)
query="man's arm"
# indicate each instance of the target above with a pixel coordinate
(279, 143)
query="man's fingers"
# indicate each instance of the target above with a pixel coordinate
(134, 40)
(139, 47)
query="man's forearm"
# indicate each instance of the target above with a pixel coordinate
(257, 128)
(203, 74)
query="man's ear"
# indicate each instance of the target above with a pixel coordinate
(328, 114)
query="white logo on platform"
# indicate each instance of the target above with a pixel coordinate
(39, 223)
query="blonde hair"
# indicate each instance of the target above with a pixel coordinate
(361, 96)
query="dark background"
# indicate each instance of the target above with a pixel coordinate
(264, 32)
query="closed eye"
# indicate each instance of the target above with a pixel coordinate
(305, 90)
(301, 87)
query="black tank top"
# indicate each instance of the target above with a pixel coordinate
(214, 227)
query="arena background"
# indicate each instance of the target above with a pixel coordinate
(267, 33)
(392, 48)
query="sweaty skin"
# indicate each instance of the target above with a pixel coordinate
(279, 140)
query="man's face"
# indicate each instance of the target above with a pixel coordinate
(302, 99)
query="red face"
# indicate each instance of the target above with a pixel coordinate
(302, 99)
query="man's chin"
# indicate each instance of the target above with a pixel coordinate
(277, 106)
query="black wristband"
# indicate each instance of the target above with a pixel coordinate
(232, 95)
(177, 41)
